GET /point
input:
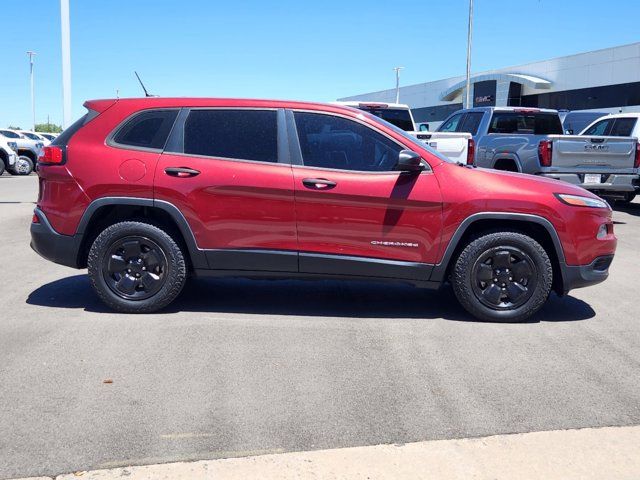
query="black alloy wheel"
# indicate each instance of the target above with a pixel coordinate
(135, 268)
(504, 278)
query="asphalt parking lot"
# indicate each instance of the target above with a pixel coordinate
(242, 367)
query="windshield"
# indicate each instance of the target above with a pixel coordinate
(412, 140)
(401, 118)
(9, 134)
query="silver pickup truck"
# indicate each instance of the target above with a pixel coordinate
(531, 141)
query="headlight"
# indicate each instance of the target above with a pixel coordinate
(578, 201)
(13, 146)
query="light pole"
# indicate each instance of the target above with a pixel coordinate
(469, 38)
(66, 63)
(397, 70)
(33, 100)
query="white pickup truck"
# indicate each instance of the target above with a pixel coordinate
(456, 146)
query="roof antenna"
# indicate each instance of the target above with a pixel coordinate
(146, 94)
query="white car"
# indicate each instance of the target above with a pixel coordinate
(8, 154)
(457, 146)
(38, 137)
(49, 136)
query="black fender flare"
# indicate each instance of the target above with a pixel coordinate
(197, 255)
(440, 270)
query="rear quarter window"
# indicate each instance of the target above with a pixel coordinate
(148, 129)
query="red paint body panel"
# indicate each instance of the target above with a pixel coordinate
(241, 205)
(363, 208)
(232, 204)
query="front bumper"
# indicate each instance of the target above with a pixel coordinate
(49, 244)
(614, 182)
(585, 275)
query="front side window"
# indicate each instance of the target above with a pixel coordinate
(328, 141)
(452, 124)
(31, 136)
(600, 128)
(470, 123)
(237, 134)
(148, 129)
(623, 127)
(399, 117)
(9, 134)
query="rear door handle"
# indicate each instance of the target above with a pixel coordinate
(181, 172)
(318, 183)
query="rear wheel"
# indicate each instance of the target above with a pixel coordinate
(1, 166)
(135, 267)
(23, 166)
(628, 198)
(502, 277)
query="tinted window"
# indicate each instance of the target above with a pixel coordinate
(578, 121)
(536, 123)
(9, 134)
(31, 136)
(623, 127)
(334, 142)
(148, 129)
(241, 134)
(452, 124)
(470, 123)
(398, 117)
(600, 128)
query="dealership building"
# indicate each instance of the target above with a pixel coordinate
(605, 80)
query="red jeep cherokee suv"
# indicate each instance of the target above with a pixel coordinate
(146, 191)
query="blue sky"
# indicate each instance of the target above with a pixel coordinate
(293, 49)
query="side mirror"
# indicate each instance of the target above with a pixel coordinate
(409, 161)
(424, 127)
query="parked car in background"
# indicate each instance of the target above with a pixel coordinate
(531, 141)
(8, 154)
(28, 151)
(458, 147)
(49, 136)
(575, 122)
(35, 136)
(135, 192)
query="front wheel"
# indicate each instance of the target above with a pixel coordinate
(135, 267)
(23, 166)
(502, 277)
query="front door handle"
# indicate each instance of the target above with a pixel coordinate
(181, 172)
(318, 183)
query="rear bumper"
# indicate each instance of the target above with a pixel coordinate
(49, 244)
(614, 182)
(585, 275)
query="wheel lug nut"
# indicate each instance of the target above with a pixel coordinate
(495, 280)
(511, 279)
(144, 268)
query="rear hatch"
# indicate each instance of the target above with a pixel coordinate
(595, 154)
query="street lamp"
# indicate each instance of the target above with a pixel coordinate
(66, 63)
(397, 70)
(33, 100)
(469, 32)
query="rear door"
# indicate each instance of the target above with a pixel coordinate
(356, 215)
(225, 170)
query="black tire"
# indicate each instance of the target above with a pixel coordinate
(491, 282)
(125, 260)
(23, 166)
(628, 198)
(1, 166)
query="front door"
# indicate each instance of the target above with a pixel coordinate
(228, 183)
(356, 215)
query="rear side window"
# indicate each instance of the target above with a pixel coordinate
(401, 118)
(237, 134)
(470, 123)
(526, 123)
(148, 129)
(623, 127)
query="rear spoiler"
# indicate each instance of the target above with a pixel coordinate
(99, 105)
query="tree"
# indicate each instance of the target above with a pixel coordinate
(11, 127)
(48, 128)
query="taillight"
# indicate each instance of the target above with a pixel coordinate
(51, 156)
(636, 164)
(35, 219)
(545, 149)
(471, 151)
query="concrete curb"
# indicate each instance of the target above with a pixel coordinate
(591, 453)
